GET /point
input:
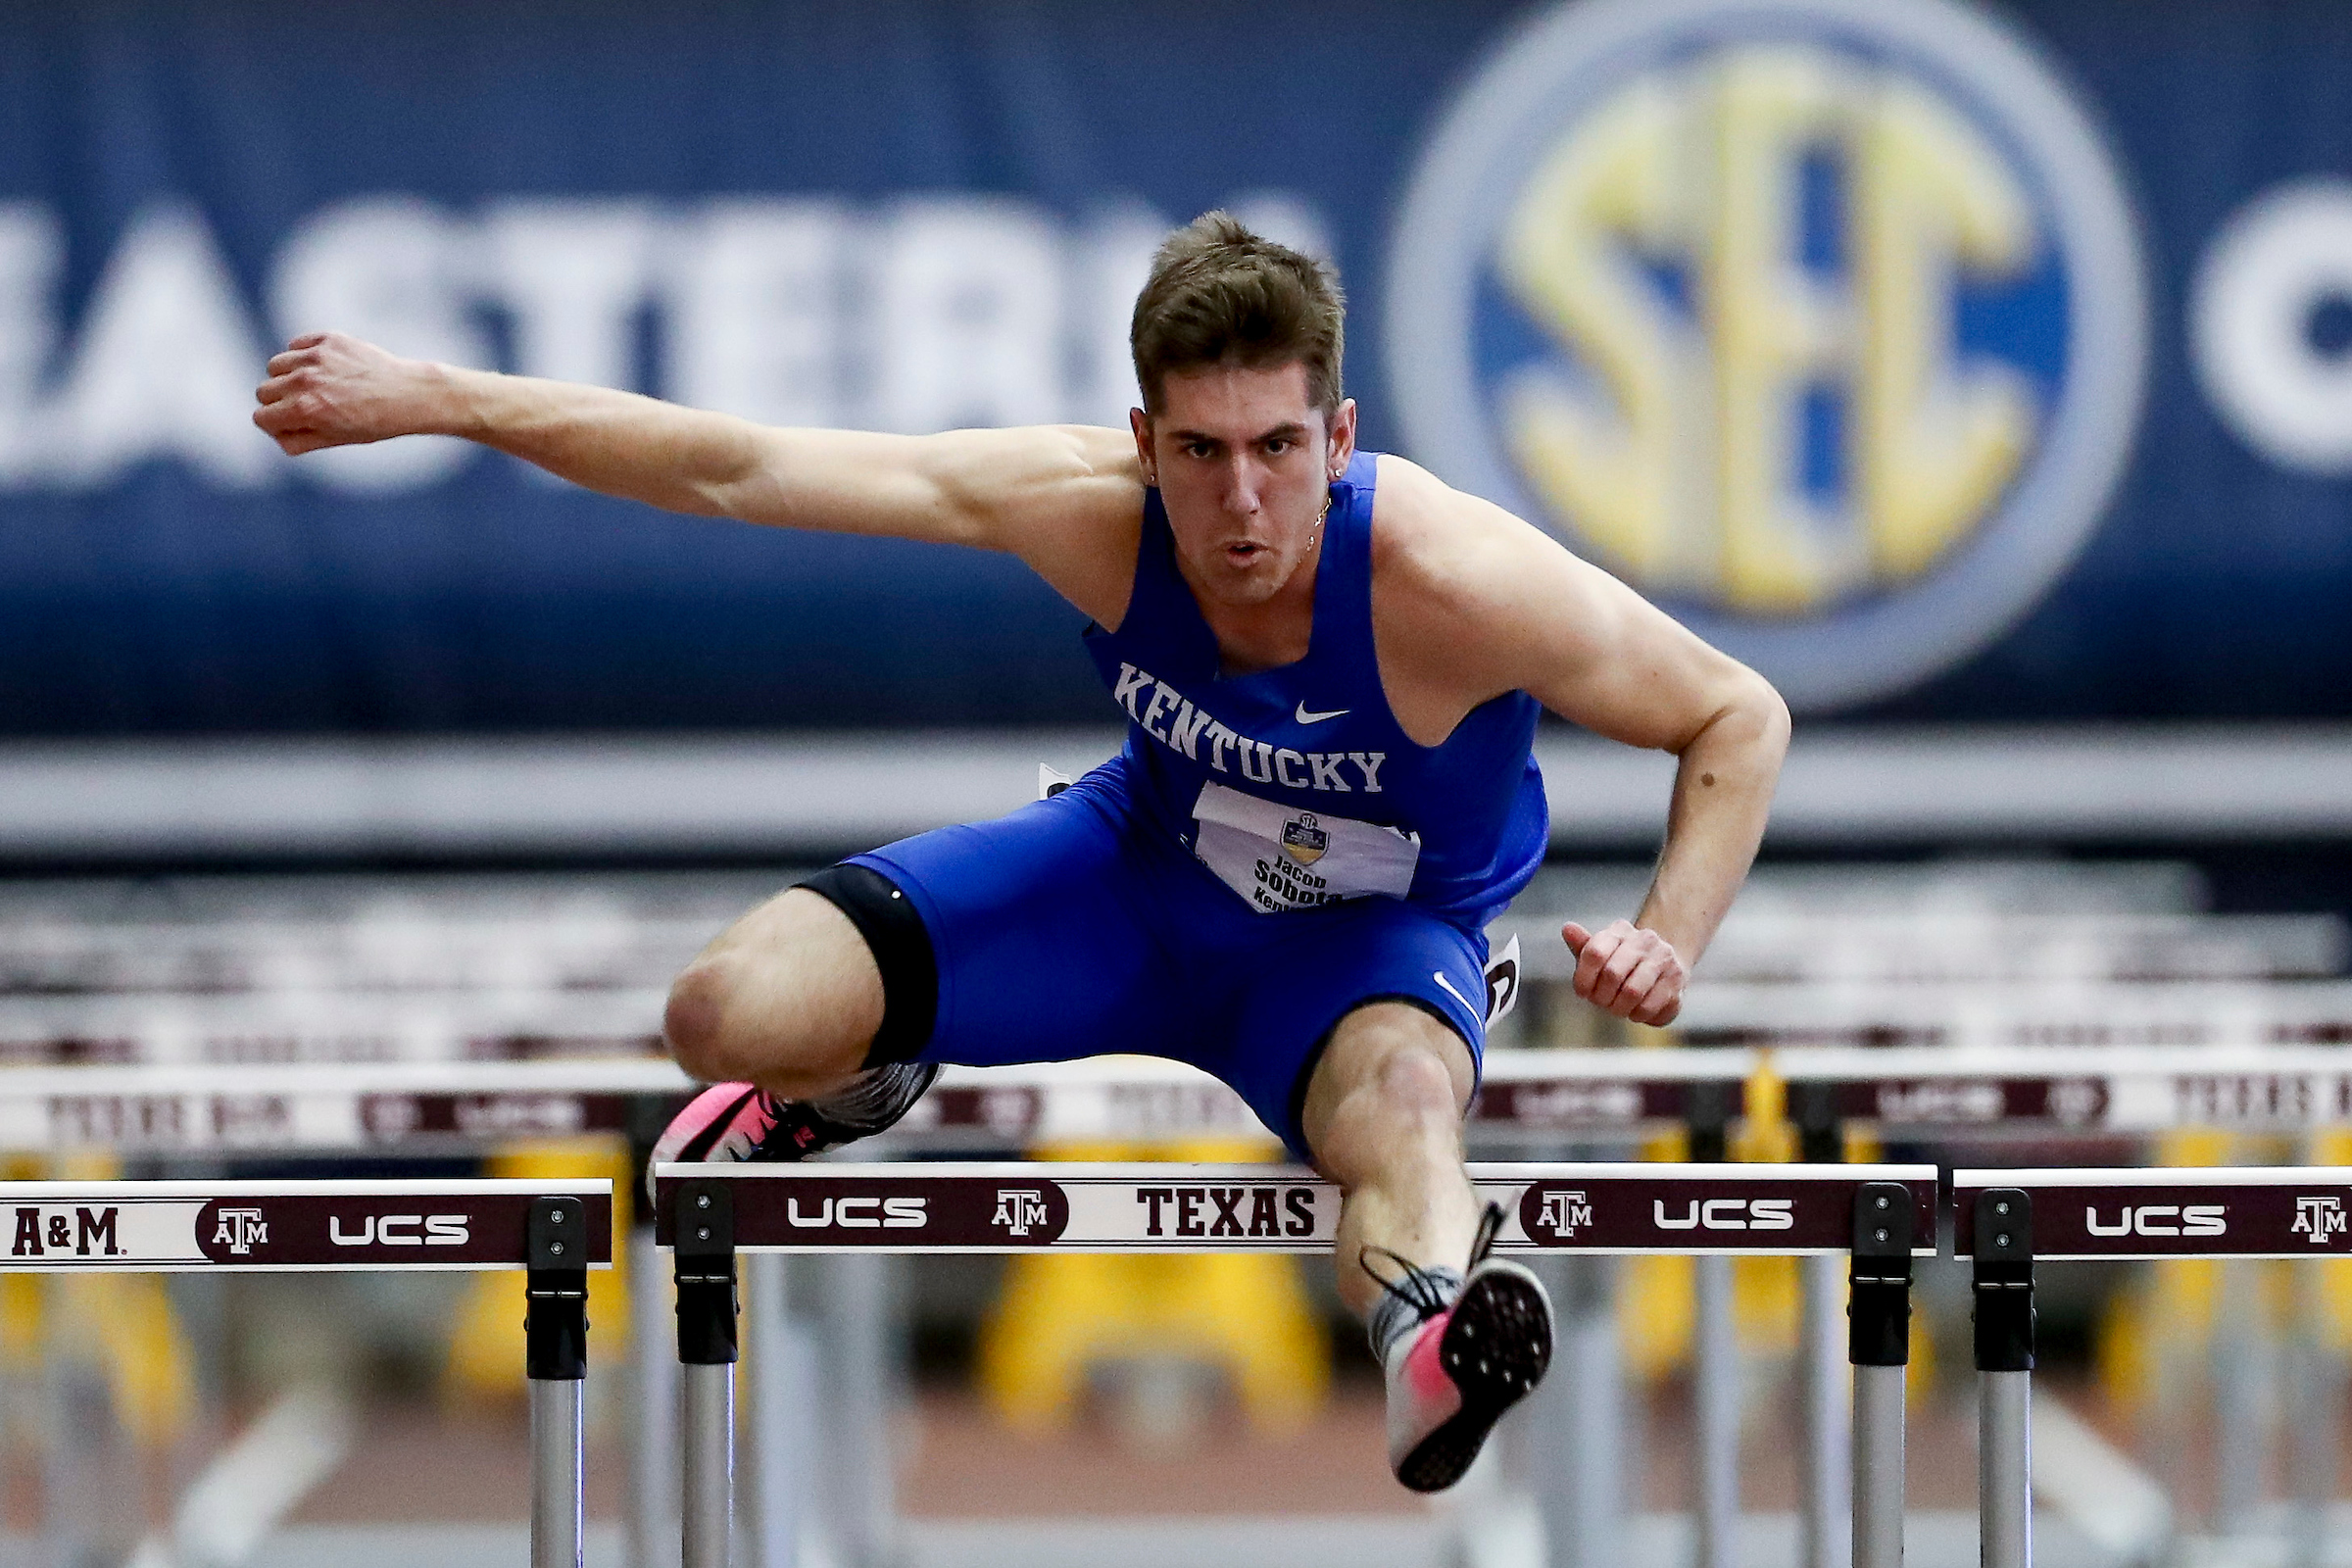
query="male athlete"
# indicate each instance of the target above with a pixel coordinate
(1330, 665)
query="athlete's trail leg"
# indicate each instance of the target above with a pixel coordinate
(787, 997)
(1384, 1119)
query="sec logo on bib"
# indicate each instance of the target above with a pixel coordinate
(1819, 322)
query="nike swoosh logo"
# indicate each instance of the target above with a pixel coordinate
(1439, 975)
(1305, 717)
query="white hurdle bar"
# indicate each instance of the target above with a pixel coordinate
(554, 1231)
(2008, 1222)
(427, 1108)
(1881, 1216)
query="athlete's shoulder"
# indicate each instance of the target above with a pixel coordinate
(1068, 501)
(1446, 550)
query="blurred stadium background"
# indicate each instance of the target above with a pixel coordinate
(1982, 372)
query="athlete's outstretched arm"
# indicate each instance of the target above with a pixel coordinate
(1597, 654)
(1039, 493)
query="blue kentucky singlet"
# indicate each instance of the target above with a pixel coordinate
(1294, 785)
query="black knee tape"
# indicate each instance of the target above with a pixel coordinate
(900, 944)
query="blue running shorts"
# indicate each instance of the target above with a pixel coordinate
(1075, 927)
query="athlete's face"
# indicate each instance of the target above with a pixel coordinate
(1244, 462)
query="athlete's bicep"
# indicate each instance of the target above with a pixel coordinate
(1054, 495)
(839, 481)
(965, 487)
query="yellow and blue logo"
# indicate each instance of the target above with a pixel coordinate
(1819, 322)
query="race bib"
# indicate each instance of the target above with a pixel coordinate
(1280, 859)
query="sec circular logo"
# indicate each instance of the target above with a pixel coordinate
(1821, 322)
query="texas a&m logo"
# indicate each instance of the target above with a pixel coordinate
(1564, 1213)
(1021, 1210)
(2319, 1218)
(240, 1230)
(43, 1232)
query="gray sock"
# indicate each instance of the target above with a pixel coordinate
(1396, 1315)
(878, 1095)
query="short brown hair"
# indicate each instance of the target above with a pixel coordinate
(1218, 293)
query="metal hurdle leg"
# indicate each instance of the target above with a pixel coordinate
(2003, 1284)
(652, 1481)
(1829, 1390)
(2240, 1395)
(1826, 1456)
(782, 1391)
(556, 1362)
(1879, 1349)
(650, 1489)
(859, 1320)
(77, 1419)
(1581, 1471)
(1715, 1357)
(705, 1254)
(2316, 1412)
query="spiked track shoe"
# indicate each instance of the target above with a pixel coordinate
(1462, 1371)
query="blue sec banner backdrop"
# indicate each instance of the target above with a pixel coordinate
(1944, 360)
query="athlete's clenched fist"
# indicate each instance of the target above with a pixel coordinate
(1628, 972)
(330, 390)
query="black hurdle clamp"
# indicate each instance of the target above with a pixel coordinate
(1707, 1115)
(554, 1322)
(703, 1247)
(1820, 1131)
(1878, 1312)
(2003, 1280)
(646, 1118)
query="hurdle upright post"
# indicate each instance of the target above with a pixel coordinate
(780, 1389)
(2315, 1403)
(703, 1251)
(555, 1363)
(1879, 1349)
(652, 1490)
(1715, 1353)
(1822, 1355)
(2002, 1284)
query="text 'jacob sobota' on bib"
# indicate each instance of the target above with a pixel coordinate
(1294, 785)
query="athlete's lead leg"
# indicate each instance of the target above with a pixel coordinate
(1384, 1119)
(1461, 1336)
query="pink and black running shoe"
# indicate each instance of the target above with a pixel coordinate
(744, 1122)
(1470, 1359)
